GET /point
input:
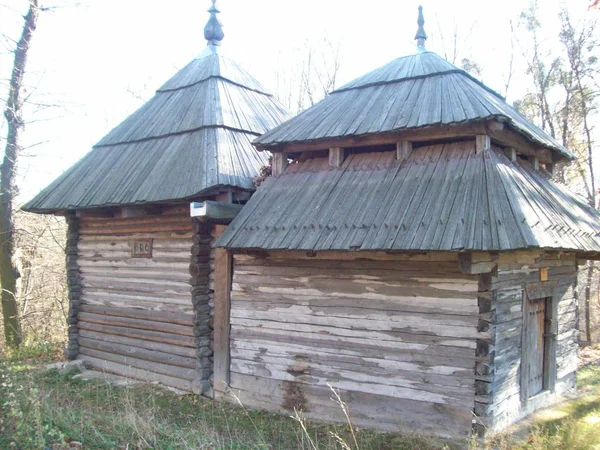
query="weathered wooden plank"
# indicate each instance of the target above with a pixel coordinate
(136, 373)
(149, 345)
(350, 381)
(349, 256)
(157, 316)
(369, 368)
(397, 414)
(156, 336)
(395, 318)
(221, 345)
(138, 352)
(416, 325)
(151, 366)
(185, 330)
(324, 302)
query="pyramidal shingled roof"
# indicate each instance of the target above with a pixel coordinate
(192, 137)
(410, 92)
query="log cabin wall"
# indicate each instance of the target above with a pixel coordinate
(501, 400)
(394, 335)
(74, 287)
(138, 317)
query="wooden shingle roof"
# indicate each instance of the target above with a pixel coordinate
(191, 138)
(444, 197)
(412, 92)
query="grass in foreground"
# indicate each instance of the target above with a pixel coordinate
(49, 410)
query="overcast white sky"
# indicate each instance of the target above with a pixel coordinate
(90, 58)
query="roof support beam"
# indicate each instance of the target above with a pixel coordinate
(483, 143)
(498, 132)
(511, 152)
(477, 262)
(336, 156)
(403, 150)
(280, 162)
(98, 212)
(130, 212)
(220, 212)
(535, 161)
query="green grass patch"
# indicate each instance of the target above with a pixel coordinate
(49, 410)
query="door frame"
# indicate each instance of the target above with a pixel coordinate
(535, 291)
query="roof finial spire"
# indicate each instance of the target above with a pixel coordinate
(421, 36)
(213, 31)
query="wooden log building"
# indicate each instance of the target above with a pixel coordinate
(411, 252)
(139, 267)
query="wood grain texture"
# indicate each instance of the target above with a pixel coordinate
(387, 331)
(137, 315)
(221, 346)
(513, 380)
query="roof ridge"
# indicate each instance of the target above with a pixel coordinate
(177, 133)
(417, 77)
(220, 77)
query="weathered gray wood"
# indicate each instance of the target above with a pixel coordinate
(164, 369)
(150, 345)
(280, 162)
(157, 316)
(395, 413)
(137, 352)
(137, 323)
(156, 336)
(336, 156)
(215, 211)
(223, 269)
(403, 150)
(136, 373)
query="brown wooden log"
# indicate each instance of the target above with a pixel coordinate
(157, 316)
(156, 336)
(136, 323)
(137, 352)
(164, 369)
(136, 373)
(140, 343)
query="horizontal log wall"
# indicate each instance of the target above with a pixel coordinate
(395, 336)
(499, 379)
(137, 317)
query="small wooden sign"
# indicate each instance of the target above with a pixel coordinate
(544, 274)
(141, 248)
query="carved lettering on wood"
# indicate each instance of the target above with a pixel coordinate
(141, 248)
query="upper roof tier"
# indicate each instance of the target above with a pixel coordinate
(412, 92)
(191, 138)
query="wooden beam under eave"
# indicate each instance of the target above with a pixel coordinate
(419, 135)
(403, 150)
(336, 156)
(130, 212)
(220, 212)
(509, 138)
(98, 212)
(280, 162)
(511, 153)
(483, 143)
(474, 263)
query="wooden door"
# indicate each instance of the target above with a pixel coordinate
(537, 325)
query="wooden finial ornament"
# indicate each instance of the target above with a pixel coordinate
(213, 31)
(421, 36)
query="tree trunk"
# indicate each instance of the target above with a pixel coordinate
(14, 118)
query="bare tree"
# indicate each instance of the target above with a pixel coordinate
(13, 113)
(579, 43)
(310, 80)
